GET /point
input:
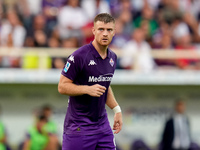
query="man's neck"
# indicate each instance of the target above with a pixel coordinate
(102, 50)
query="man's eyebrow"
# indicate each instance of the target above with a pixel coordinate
(104, 28)
(101, 27)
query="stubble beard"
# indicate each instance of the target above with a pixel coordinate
(104, 43)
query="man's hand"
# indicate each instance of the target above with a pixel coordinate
(117, 126)
(96, 90)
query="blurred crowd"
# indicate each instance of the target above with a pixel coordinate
(141, 25)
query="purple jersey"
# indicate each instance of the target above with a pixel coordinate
(86, 114)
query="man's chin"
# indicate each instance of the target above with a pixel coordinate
(105, 43)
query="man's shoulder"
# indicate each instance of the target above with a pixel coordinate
(112, 53)
(170, 120)
(82, 51)
(32, 129)
(80, 54)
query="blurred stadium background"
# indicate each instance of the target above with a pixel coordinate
(30, 68)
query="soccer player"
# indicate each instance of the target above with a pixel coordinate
(86, 79)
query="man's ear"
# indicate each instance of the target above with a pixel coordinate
(114, 31)
(93, 30)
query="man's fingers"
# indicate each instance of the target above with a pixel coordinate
(101, 91)
(96, 90)
(102, 88)
(99, 94)
(117, 127)
(117, 131)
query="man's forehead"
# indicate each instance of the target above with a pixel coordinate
(104, 25)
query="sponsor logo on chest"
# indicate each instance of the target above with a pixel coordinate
(101, 78)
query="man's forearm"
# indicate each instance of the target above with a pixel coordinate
(67, 87)
(72, 89)
(111, 101)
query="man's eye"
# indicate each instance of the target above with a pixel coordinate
(101, 29)
(109, 29)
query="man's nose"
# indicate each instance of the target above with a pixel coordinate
(105, 33)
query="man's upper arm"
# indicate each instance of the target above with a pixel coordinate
(64, 79)
(62, 83)
(72, 66)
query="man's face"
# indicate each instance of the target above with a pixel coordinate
(180, 108)
(103, 32)
(47, 113)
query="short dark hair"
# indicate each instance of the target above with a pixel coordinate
(42, 118)
(46, 107)
(104, 17)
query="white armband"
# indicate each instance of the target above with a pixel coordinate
(116, 109)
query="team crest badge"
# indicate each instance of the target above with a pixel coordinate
(67, 67)
(112, 62)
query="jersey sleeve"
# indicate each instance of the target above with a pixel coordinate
(73, 66)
